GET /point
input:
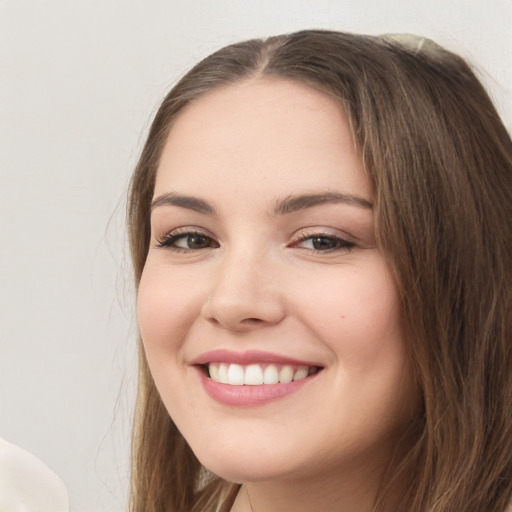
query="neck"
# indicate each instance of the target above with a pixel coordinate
(349, 487)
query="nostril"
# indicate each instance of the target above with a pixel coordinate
(246, 321)
(249, 321)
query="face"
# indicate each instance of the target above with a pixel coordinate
(270, 320)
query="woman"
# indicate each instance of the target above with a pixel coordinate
(321, 237)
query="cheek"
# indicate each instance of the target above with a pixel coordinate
(374, 319)
(357, 312)
(165, 309)
(358, 316)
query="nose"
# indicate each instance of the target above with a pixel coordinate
(245, 295)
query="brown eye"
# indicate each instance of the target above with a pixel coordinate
(187, 242)
(195, 241)
(324, 243)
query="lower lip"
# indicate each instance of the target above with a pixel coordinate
(250, 396)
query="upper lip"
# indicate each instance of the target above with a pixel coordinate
(248, 357)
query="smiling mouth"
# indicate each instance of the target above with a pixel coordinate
(257, 374)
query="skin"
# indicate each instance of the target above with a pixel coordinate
(260, 280)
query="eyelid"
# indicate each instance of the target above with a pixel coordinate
(165, 241)
(347, 242)
(309, 232)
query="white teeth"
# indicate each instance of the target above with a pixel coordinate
(253, 375)
(223, 373)
(256, 374)
(213, 369)
(286, 374)
(270, 375)
(235, 375)
(301, 373)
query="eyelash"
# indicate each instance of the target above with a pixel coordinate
(168, 242)
(340, 244)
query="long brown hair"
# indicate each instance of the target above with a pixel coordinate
(440, 162)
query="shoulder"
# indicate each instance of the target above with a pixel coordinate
(28, 483)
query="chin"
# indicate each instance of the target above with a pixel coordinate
(239, 469)
(242, 473)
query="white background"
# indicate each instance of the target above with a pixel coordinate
(79, 83)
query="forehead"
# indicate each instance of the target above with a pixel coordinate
(258, 132)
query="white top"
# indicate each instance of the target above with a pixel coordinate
(27, 484)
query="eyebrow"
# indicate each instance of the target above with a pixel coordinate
(290, 204)
(188, 202)
(301, 202)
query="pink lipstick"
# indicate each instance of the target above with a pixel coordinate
(252, 378)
